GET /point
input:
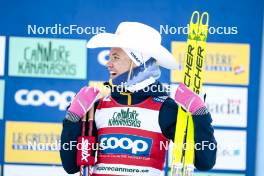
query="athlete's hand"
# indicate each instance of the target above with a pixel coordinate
(188, 99)
(83, 101)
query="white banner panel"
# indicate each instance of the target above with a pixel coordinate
(2, 54)
(28, 170)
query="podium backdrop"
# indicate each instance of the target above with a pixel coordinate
(44, 62)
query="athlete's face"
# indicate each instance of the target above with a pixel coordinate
(118, 63)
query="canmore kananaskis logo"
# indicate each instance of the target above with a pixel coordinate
(125, 118)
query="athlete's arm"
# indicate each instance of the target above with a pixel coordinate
(204, 159)
(72, 127)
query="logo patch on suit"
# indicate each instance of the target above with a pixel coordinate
(159, 99)
(125, 118)
(125, 144)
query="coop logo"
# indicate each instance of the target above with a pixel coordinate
(50, 98)
(125, 144)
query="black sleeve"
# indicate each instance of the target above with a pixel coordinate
(204, 133)
(70, 133)
(204, 159)
(167, 118)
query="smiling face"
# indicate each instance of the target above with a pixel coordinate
(118, 63)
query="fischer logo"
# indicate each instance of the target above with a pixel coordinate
(49, 98)
(198, 70)
(189, 61)
(125, 144)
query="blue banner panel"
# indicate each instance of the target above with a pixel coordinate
(39, 99)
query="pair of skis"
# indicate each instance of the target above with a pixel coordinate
(184, 145)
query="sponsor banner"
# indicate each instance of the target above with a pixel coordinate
(2, 55)
(2, 94)
(217, 174)
(30, 170)
(39, 100)
(227, 105)
(29, 142)
(231, 150)
(225, 63)
(47, 58)
(2, 137)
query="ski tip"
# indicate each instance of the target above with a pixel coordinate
(204, 18)
(195, 17)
